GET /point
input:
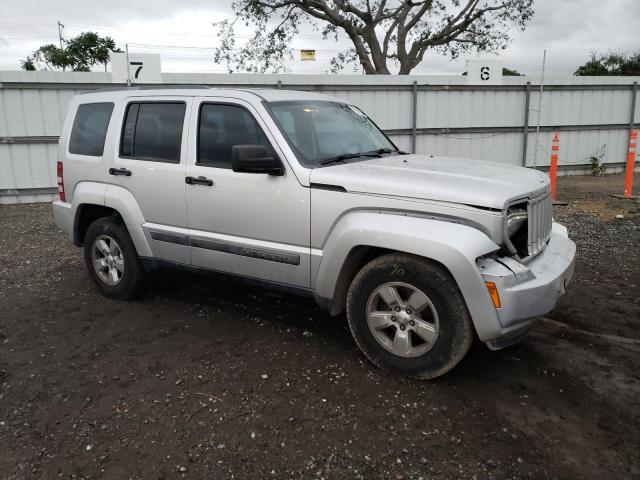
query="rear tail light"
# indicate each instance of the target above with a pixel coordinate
(60, 174)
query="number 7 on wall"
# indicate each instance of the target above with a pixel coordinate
(139, 65)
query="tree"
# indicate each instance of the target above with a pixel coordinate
(50, 57)
(382, 32)
(611, 63)
(27, 64)
(80, 54)
(89, 49)
(509, 72)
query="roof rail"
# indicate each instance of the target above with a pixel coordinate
(146, 87)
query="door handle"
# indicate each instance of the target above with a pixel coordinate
(198, 181)
(120, 171)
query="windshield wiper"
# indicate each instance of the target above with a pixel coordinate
(339, 158)
(371, 153)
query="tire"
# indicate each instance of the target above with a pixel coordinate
(433, 339)
(107, 247)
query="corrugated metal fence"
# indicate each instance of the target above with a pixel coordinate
(426, 114)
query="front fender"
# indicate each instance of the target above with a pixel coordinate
(455, 246)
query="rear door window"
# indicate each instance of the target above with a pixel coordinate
(153, 131)
(90, 129)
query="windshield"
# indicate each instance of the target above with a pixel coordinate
(321, 132)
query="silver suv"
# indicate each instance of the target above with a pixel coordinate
(303, 192)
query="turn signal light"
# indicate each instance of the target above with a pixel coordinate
(493, 291)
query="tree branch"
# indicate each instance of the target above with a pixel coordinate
(449, 32)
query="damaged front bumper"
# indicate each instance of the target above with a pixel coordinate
(529, 291)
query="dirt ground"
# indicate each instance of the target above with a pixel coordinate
(205, 379)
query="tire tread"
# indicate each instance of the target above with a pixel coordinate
(133, 284)
(463, 336)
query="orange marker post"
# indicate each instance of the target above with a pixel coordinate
(631, 160)
(553, 167)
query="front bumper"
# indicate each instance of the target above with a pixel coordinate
(529, 291)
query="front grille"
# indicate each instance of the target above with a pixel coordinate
(540, 218)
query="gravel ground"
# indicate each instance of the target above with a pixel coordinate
(204, 379)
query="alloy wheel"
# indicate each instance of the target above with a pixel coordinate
(107, 259)
(402, 319)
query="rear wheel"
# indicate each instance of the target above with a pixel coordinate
(111, 259)
(407, 315)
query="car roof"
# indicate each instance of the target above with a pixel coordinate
(250, 94)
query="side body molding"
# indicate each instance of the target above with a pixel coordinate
(453, 245)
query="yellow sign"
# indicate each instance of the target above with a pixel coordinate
(307, 54)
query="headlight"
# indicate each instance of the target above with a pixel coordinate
(517, 230)
(515, 220)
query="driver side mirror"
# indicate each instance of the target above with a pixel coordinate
(255, 159)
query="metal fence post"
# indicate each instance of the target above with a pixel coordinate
(632, 120)
(525, 131)
(414, 115)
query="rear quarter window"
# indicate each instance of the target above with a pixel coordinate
(90, 129)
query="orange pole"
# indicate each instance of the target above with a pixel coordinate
(553, 167)
(631, 160)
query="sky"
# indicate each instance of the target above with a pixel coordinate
(182, 33)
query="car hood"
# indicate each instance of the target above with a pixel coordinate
(447, 179)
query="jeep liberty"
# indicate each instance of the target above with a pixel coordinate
(302, 192)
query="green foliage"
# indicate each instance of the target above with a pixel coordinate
(383, 34)
(611, 63)
(89, 49)
(508, 72)
(597, 169)
(79, 54)
(27, 64)
(52, 57)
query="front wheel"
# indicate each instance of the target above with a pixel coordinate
(112, 260)
(407, 315)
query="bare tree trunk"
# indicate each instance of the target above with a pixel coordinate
(365, 61)
(380, 64)
(405, 68)
(378, 57)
